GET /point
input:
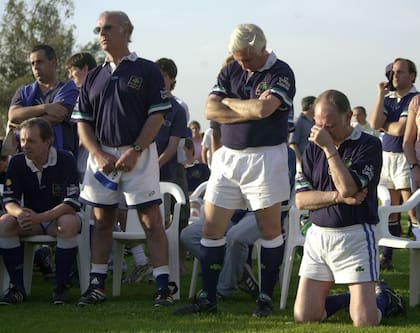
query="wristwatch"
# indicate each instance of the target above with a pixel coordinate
(137, 148)
(412, 166)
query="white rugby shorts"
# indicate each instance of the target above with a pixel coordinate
(140, 186)
(252, 178)
(395, 173)
(343, 255)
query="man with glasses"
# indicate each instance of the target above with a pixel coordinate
(121, 109)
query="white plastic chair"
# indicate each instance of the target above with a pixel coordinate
(135, 232)
(386, 239)
(196, 197)
(83, 254)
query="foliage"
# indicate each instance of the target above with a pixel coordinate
(23, 26)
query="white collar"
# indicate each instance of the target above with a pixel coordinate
(52, 160)
(272, 58)
(131, 57)
(393, 94)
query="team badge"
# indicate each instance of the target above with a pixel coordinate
(135, 82)
(56, 190)
(8, 182)
(261, 88)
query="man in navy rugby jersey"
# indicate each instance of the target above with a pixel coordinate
(41, 197)
(121, 109)
(390, 116)
(340, 173)
(251, 101)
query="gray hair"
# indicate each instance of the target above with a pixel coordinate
(123, 18)
(247, 37)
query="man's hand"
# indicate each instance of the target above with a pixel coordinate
(383, 88)
(127, 161)
(105, 161)
(25, 219)
(355, 200)
(55, 112)
(321, 137)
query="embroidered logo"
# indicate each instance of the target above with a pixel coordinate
(359, 269)
(135, 82)
(284, 83)
(56, 190)
(261, 88)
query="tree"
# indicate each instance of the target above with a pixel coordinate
(24, 25)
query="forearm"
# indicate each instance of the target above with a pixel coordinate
(377, 117)
(55, 213)
(217, 111)
(313, 200)
(342, 179)
(18, 114)
(169, 152)
(251, 109)
(395, 128)
(87, 138)
(150, 130)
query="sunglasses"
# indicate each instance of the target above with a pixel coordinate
(104, 28)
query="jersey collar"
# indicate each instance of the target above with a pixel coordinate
(392, 94)
(272, 58)
(52, 160)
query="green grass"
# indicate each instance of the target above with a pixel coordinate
(133, 311)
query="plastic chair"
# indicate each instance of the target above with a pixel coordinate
(83, 254)
(196, 197)
(386, 239)
(135, 232)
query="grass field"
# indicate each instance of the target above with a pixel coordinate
(133, 311)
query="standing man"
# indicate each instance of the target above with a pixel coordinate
(251, 101)
(340, 173)
(390, 116)
(41, 197)
(47, 98)
(299, 137)
(359, 117)
(122, 105)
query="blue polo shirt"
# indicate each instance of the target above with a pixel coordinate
(42, 190)
(117, 103)
(234, 82)
(394, 109)
(65, 133)
(175, 124)
(362, 154)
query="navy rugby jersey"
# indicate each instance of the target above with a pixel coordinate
(234, 82)
(362, 154)
(118, 103)
(175, 124)
(57, 183)
(394, 109)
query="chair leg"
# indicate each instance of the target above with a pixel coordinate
(194, 277)
(117, 271)
(28, 265)
(83, 263)
(287, 271)
(414, 277)
(173, 249)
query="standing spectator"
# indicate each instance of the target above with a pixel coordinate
(359, 117)
(78, 65)
(250, 169)
(197, 138)
(299, 138)
(48, 98)
(390, 116)
(340, 173)
(122, 106)
(41, 197)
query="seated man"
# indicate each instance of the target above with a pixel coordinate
(40, 197)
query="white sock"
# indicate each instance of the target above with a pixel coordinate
(140, 258)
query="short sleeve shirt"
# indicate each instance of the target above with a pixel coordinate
(362, 154)
(234, 82)
(117, 103)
